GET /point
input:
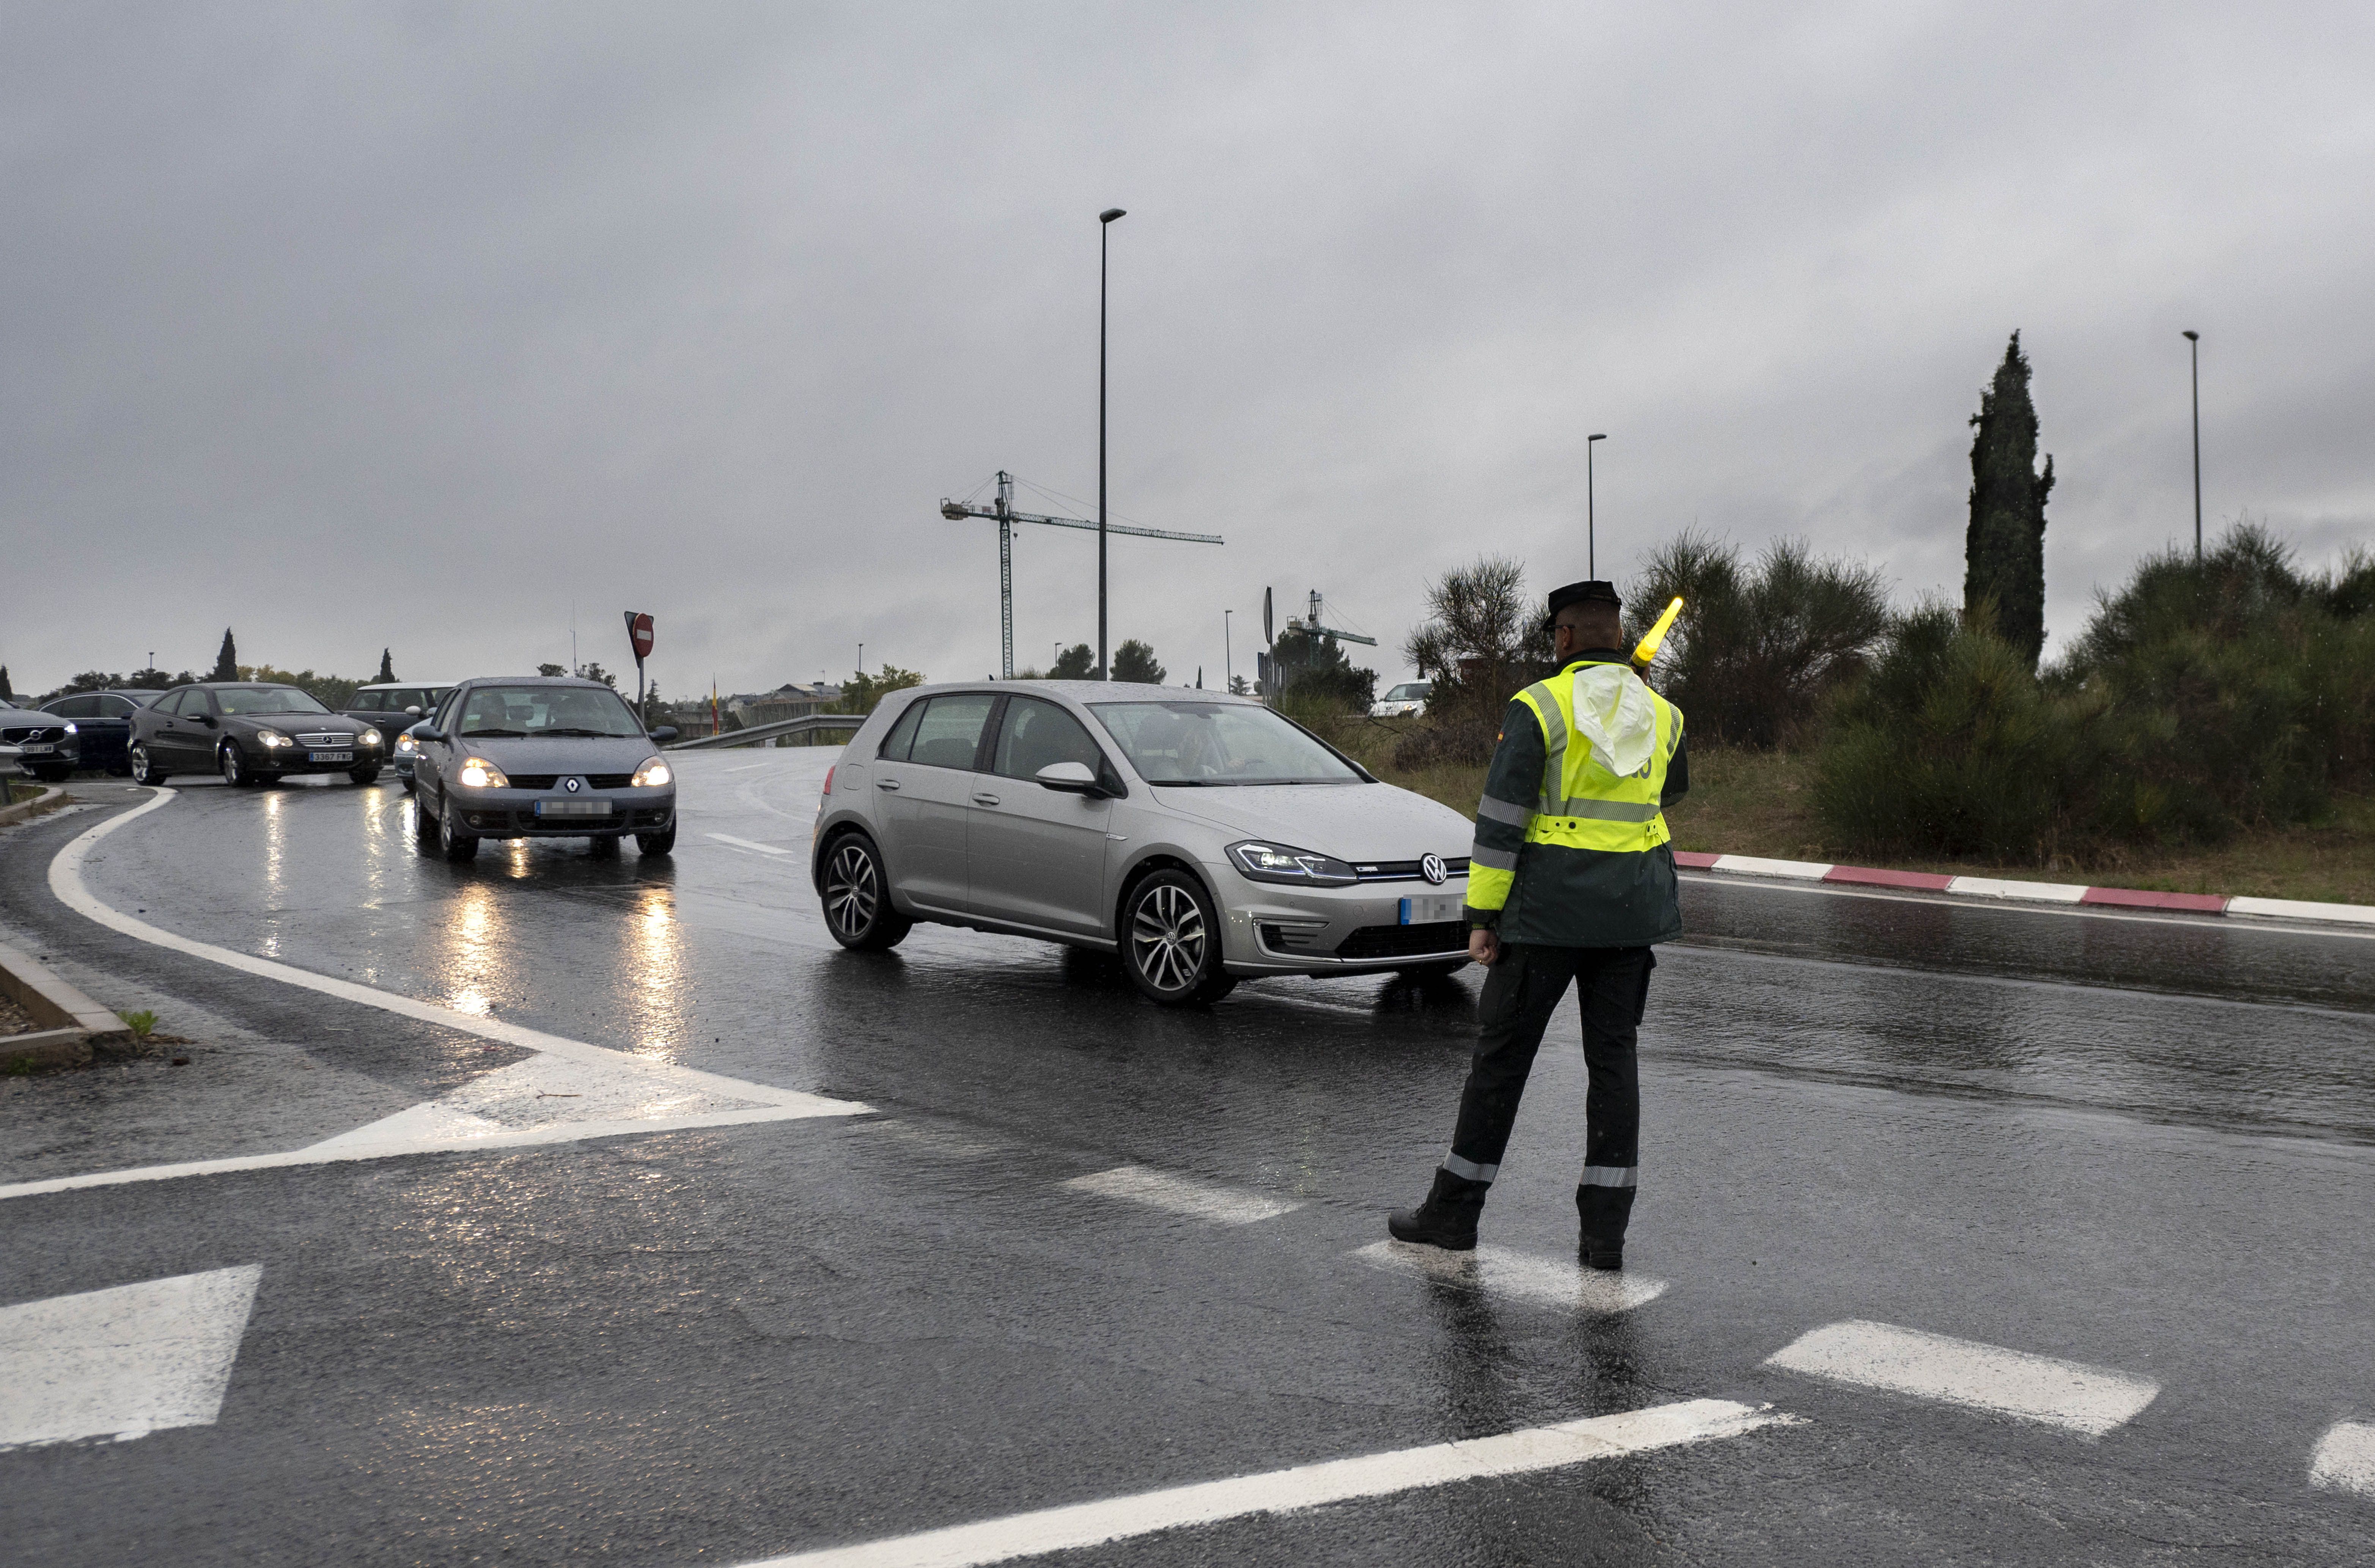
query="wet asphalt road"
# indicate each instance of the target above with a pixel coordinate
(2145, 1145)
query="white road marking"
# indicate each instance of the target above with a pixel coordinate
(2296, 909)
(745, 768)
(1198, 1200)
(2089, 1399)
(750, 844)
(2344, 1460)
(1498, 1271)
(1305, 1485)
(122, 1362)
(640, 1094)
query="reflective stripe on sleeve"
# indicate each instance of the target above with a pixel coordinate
(1610, 1175)
(1468, 1170)
(1492, 859)
(1504, 811)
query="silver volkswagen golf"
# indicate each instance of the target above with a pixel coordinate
(1200, 836)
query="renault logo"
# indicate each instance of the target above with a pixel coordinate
(1431, 868)
(571, 786)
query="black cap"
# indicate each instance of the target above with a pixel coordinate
(1592, 593)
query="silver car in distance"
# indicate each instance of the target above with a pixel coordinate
(1200, 836)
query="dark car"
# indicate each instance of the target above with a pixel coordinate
(250, 733)
(45, 745)
(102, 722)
(541, 757)
(393, 708)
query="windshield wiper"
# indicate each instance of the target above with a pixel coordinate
(514, 734)
(596, 734)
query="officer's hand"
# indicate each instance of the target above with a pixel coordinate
(1484, 946)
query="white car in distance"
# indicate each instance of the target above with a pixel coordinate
(1409, 697)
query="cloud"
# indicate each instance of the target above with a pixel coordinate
(414, 326)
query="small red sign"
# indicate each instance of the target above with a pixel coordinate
(639, 629)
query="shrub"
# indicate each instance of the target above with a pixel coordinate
(1758, 647)
(1482, 642)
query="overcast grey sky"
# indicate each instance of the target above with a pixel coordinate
(409, 325)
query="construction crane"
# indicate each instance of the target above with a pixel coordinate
(1005, 517)
(1310, 626)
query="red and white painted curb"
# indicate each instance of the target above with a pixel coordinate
(2029, 892)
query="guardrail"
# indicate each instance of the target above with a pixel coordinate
(809, 724)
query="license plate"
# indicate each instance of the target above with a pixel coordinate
(42, 747)
(572, 808)
(1432, 909)
(329, 757)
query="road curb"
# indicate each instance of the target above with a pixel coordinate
(33, 807)
(76, 1023)
(2001, 890)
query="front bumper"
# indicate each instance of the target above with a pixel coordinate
(511, 813)
(282, 760)
(1271, 929)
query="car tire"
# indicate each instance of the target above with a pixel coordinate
(144, 771)
(424, 823)
(606, 847)
(232, 763)
(54, 774)
(363, 775)
(1170, 939)
(661, 843)
(457, 845)
(857, 894)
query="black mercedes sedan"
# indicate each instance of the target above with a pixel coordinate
(250, 733)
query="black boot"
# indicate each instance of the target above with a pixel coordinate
(1448, 1217)
(1603, 1211)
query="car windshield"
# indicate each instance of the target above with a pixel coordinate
(529, 711)
(266, 700)
(1408, 692)
(1217, 743)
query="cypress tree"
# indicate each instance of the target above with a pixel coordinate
(226, 661)
(4, 693)
(2003, 553)
(386, 669)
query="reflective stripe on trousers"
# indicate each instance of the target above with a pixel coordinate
(1468, 1170)
(1611, 1175)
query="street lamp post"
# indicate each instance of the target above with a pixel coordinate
(1591, 517)
(2193, 349)
(1228, 662)
(1105, 227)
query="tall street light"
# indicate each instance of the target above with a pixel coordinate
(1105, 228)
(1591, 517)
(2193, 348)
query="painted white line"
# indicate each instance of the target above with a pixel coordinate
(1305, 1485)
(2028, 893)
(1754, 865)
(2344, 1460)
(743, 768)
(750, 844)
(639, 1093)
(1498, 1271)
(2089, 1399)
(1177, 1195)
(122, 1362)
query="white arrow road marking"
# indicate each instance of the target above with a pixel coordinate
(2089, 1399)
(122, 1362)
(568, 1091)
(750, 844)
(1498, 1271)
(2344, 1460)
(1198, 1200)
(1305, 1485)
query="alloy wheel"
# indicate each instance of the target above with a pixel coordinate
(852, 890)
(1167, 938)
(233, 770)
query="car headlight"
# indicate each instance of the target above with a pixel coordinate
(406, 743)
(70, 727)
(1277, 862)
(479, 773)
(653, 773)
(370, 737)
(271, 737)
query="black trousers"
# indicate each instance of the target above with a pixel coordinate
(1520, 993)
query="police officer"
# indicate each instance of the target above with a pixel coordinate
(1570, 881)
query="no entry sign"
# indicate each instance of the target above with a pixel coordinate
(639, 632)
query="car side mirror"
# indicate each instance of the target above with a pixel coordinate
(1069, 778)
(207, 720)
(663, 735)
(432, 733)
(414, 711)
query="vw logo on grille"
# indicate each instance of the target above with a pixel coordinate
(1431, 868)
(571, 786)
